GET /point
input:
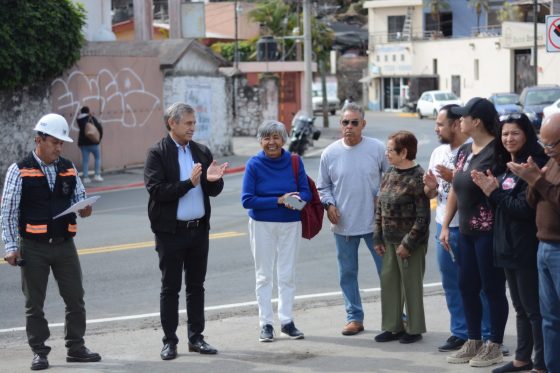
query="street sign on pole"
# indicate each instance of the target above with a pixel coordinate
(553, 33)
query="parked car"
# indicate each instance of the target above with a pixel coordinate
(534, 99)
(549, 110)
(506, 103)
(317, 102)
(431, 101)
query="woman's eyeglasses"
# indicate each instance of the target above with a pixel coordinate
(354, 122)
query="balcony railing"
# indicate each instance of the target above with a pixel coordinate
(418, 34)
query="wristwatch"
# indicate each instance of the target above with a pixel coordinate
(326, 205)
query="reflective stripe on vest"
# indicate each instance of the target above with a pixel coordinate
(36, 229)
(31, 172)
(68, 172)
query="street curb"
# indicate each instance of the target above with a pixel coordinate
(108, 188)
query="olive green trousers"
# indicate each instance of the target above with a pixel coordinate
(402, 290)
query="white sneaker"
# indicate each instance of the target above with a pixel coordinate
(97, 178)
(86, 180)
(468, 351)
(489, 354)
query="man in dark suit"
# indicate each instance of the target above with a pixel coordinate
(180, 176)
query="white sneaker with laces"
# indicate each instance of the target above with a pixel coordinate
(489, 354)
(468, 351)
(97, 178)
(86, 180)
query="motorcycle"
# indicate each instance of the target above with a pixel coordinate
(303, 133)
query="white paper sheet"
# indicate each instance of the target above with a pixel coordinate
(78, 206)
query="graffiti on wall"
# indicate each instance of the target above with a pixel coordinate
(114, 97)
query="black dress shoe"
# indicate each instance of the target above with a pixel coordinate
(202, 347)
(410, 338)
(39, 362)
(387, 336)
(82, 355)
(509, 367)
(169, 351)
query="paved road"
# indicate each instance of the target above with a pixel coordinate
(120, 266)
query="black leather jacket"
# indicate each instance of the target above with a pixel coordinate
(161, 176)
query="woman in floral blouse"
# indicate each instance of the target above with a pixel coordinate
(474, 256)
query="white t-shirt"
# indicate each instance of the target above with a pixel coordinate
(445, 156)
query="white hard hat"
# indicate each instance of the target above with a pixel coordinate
(54, 125)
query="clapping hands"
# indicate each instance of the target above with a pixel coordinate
(487, 182)
(215, 172)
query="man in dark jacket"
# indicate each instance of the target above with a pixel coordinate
(180, 176)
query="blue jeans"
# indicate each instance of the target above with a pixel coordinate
(347, 255)
(86, 150)
(548, 263)
(476, 273)
(450, 283)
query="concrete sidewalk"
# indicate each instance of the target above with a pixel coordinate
(134, 346)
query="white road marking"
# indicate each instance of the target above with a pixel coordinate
(212, 308)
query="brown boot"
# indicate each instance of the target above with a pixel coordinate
(352, 328)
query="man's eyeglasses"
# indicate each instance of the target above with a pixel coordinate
(511, 117)
(354, 122)
(550, 146)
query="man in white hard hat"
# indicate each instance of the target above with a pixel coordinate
(37, 188)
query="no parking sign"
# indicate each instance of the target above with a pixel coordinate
(553, 33)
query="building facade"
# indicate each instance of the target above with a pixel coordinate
(409, 53)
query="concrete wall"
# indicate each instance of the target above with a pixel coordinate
(19, 112)
(254, 104)
(125, 94)
(209, 96)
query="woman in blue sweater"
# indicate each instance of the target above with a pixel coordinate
(269, 183)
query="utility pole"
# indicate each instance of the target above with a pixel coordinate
(307, 47)
(236, 49)
(535, 46)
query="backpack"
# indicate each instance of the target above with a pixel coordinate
(91, 132)
(312, 213)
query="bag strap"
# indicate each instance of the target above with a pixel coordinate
(295, 167)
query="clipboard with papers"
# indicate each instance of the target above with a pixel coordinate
(78, 206)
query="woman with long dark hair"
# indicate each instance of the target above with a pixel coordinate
(515, 236)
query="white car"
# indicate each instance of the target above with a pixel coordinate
(333, 103)
(554, 108)
(431, 102)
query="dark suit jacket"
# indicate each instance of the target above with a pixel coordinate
(161, 176)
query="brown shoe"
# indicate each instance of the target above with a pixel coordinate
(352, 328)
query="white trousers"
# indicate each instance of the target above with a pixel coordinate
(270, 241)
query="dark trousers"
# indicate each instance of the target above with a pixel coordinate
(186, 250)
(524, 291)
(63, 259)
(476, 272)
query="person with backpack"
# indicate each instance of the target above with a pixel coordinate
(89, 140)
(274, 195)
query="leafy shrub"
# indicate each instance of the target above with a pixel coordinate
(38, 40)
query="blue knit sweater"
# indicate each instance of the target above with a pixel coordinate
(265, 180)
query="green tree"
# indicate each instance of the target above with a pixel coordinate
(39, 39)
(274, 16)
(436, 7)
(509, 12)
(479, 6)
(279, 19)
